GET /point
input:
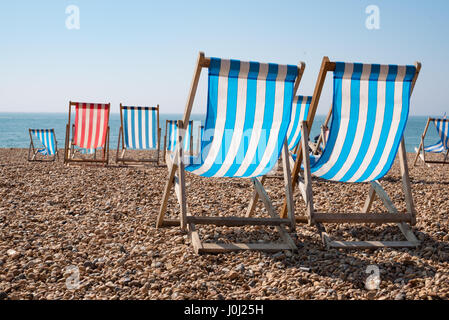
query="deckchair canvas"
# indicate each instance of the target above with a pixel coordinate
(243, 98)
(171, 137)
(47, 139)
(139, 130)
(441, 146)
(324, 135)
(369, 113)
(90, 130)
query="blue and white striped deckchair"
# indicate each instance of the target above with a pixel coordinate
(47, 139)
(139, 130)
(171, 134)
(300, 111)
(370, 110)
(248, 114)
(441, 146)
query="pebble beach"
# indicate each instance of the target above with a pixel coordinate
(100, 221)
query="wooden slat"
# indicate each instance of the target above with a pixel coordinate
(229, 247)
(370, 244)
(170, 223)
(288, 185)
(237, 221)
(307, 174)
(195, 237)
(436, 162)
(361, 217)
(406, 181)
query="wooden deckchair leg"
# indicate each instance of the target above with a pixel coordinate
(445, 157)
(307, 172)
(269, 206)
(168, 186)
(406, 181)
(182, 184)
(118, 145)
(369, 200)
(254, 199)
(418, 152)
(288, 185)
(405, 229)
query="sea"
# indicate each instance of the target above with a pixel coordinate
(14, 128)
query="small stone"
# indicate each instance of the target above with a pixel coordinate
(400, 296)
(233, 275)
(13, 253)
(240, 267)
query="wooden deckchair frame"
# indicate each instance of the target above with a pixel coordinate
(166, 135)
(32, 152)
(318, 218)
(188, 222)
(421, 153)
(120, 155)
(69, 152)
(198, 144)
(322, 137)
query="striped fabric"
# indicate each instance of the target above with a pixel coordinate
(435, 148)
(47, 138)
(140, 127)
(172, 131)
(248, 114)
(300, 110)
(87, 151)
(370, 110)
(91, 125)
(442, 126)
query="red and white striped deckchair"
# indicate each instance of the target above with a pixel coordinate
(90, 131)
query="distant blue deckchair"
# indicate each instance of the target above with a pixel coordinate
(139, 130)
(49, 147)
(172, 135)
(441, 146)
(248, 114)
(369, 113)
(300, 110)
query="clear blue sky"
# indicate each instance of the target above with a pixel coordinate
(143, 52)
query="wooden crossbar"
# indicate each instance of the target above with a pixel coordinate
(231, 247)
(237, 221)
(348, 245)
(357, 218)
